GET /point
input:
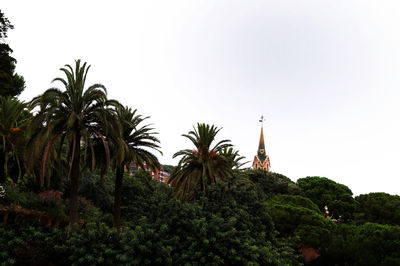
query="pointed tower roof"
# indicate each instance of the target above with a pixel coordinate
(261, 147)
(261, 160)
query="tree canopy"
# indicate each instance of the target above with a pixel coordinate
(270, 183)
(5, 25)
(11, 84)
(380, 208)
(202, 166)
(295, 215)
(325, 192)
(76, 115)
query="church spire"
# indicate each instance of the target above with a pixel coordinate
(261, 160)
(261, 147)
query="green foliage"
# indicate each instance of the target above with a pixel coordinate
(25, 183)
(28, 244)
(47, 201)
(234, 158)
(135, 144)
(74, 113)
(57, 212)
(296, 200)
(12, 123)
(168, 168)
(143, 197)
(269, 184)
(97, 190)
(14, 195)
(378, 208)
(298, 216)
(137, 140)
(229, 225)
(75, 116)
(325, 192)
(94, 244)
(11, 84)
(202, 166)
(367, 244)
(5, 25)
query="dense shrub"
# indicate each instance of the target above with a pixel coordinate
(13, 195)
(367, 244)
(49, 201)
(229, 225)
(28, 244)
(99, 190)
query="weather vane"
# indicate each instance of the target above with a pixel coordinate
(262, 120)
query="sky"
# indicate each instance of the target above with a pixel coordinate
(325, 74)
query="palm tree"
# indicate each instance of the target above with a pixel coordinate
(75, 115)
(234, 157)
(133, 147)
(238, 177)
(202, 166)
(13, 119)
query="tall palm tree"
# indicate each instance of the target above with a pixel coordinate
(13, 120)
(75, 116)
(135, 146)
(203, 165)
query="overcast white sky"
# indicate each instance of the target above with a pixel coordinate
(325, 74)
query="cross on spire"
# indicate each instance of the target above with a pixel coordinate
(262, 120)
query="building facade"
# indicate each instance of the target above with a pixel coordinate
(157, 174)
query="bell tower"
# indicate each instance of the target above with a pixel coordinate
(261, 160)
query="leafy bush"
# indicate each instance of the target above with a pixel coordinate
(229, 225)
(13, 195)
(28, 244)
(367, 244)
(98, 190)
(51, 197)
(49, 201)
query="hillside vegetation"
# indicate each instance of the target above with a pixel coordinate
(66, 197)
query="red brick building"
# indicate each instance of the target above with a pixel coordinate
(157, 174)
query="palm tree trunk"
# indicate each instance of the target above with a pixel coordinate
(2, 169)
(203, 179)
(75, 172)
(117, 196)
